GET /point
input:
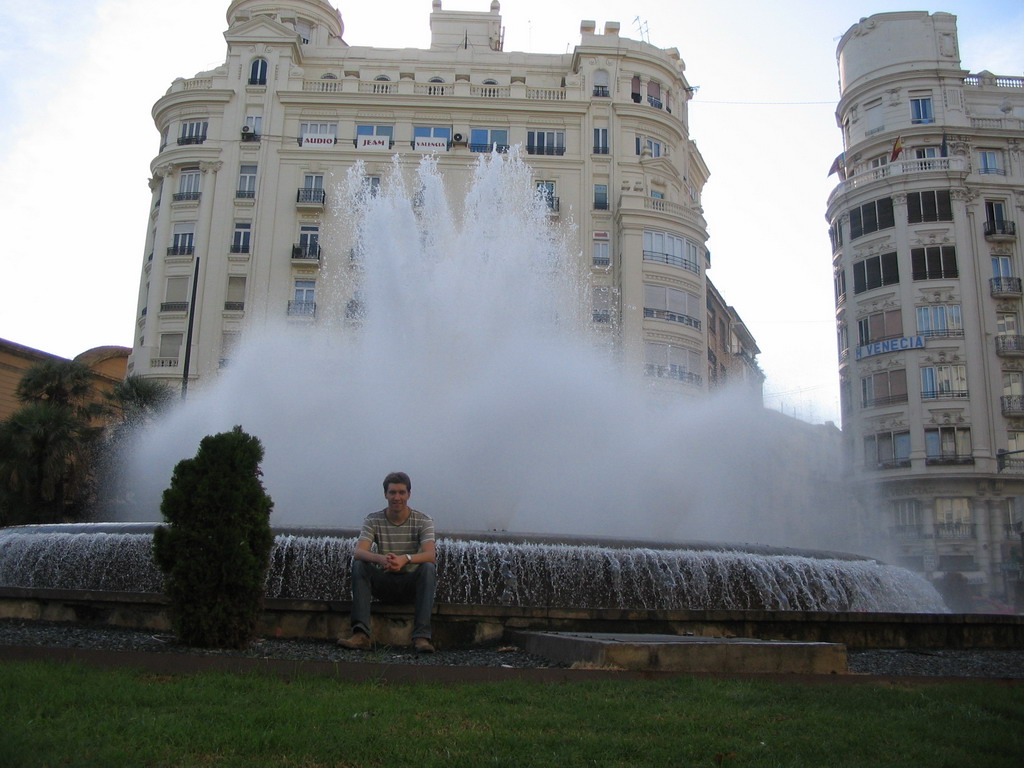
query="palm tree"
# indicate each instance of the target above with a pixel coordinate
(137, 400)
(46, 445)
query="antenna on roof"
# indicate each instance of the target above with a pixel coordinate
(641, 28)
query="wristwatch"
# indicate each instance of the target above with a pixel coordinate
(408, 557)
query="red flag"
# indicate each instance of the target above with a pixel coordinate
(897, 147)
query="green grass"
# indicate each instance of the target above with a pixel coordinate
(55, 714)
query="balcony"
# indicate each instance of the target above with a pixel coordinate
(177, 197)
(239, 248)
(673, 372)
(234, 306)
(879, 402)
(313, 197)
(1000, 231)
(672, 260)
(553, 204)
(174, 306)
(672, 317)
(183, 140)
(1010, 346)
(532, 149)
(600, 205)
(306, 252)
(944, 394)
(656, 103)
(601, 90)
(301, 309)
(948, 460)
(600, 149)
(245, 194)
(907, 531)
(500, 148)
(602, 316)
(1004, 287)
(900, 463)
(862, 175)
(1012, 405)
(181, 250)
(954, 531)
(250, 136)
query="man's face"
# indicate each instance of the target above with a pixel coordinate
(397, 495)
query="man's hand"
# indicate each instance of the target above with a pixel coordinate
(393, 563)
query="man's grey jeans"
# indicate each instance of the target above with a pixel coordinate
(416, 587)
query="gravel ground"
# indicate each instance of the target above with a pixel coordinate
(996, 663)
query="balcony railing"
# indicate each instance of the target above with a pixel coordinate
(942, 333)
(183, 140)
(250, 136)
(602, 261)
(1003, 287)
(181, 250)
(532, 149)
(673, 372)
(949, 460)
(944, 394)
(553, 203)
(862, 176)
(656, 103)
(602, 315)
(1010, 346)
(179, 196)
(1012, 405)
(601, 90)
(999, 229)
(306, 251)
(502, 148)
(234, 306)
(301, 308)
(600, 205)
(245, 194)
(310, 196)
(877, 402)
(601, 149)
(672, 317)
(239, 248)
(673, 260)
(174, 306)
(912, 531)
(889, 464)
(954, 531)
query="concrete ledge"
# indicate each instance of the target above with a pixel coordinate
(686, 654)
(467, 625)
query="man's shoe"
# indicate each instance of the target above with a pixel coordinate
(422, 645)
(360, 641)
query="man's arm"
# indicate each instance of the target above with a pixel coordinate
(362, 552)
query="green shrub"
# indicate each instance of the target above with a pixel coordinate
(215, 550)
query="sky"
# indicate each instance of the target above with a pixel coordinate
(78, 79)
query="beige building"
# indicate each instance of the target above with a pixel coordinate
(242, 183)
(732, 351)
(928, 267)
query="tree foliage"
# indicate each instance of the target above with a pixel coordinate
(47, 445)
(215, 549)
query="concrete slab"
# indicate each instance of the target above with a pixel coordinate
(682, 653)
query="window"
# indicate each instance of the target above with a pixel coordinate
(246, 181)
(875, 271)
(304, 31)
(873, 118)
(1013, 384)
(887, 450)
(1001, 266)
(940, 321)
(488, 139)
(370, 185)
(835, 233)
(1006, 323)
(995, 219)
(906, 515)
(304, 303)
(312, 189)
(170, 345)
(309, 243)
(839, 285)
(431, 138)
(374, 136)
(546, 191)
(600, 141)
(884, 388)
(953, 520)
(600, 197)
(654, 94)
(880, 326)
(182, 243)
(318, 134)
(193, 132)
(945, 445)
(929, 206)
(669, 249)
(253, 128)
(936, 262)
(654, 147)
(871, 217)
(601, 83)
(673, 305)
(240, 240)
(602, 253)
(634, 91)
(988, 162)
(943, 381)
(921, 110)
(665, 361)
(602, 311)
(188, 184)
(258, 72)
(175, 294)
(545, 142)
(234, 300)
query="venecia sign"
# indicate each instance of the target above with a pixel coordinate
(890, 345)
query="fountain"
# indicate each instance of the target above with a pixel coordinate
(464, 360)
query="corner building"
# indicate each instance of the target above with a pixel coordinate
(928, 267)
(242, 183)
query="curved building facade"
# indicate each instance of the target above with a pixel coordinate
(928, 264)
(242, 192)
